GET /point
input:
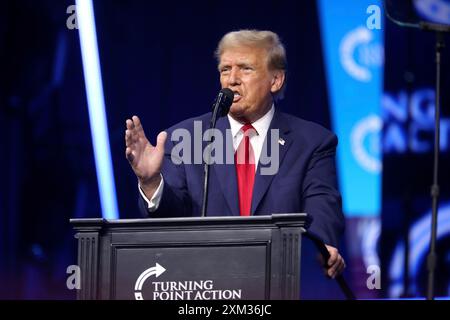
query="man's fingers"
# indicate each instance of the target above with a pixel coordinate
(332, 260)
(335, 264)
(337, 268)
(130, 132)
(128, 140)
(136, 122)
(161, 140)
(134, 132)
(333, 257)
(138, 131)
(332, 271)
(334, 254)
(129, 124)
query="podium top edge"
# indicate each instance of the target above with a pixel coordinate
(302, 219)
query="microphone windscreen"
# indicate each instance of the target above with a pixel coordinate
(228, 98)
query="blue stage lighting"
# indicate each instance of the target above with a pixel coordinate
(353, 52)
(96, 104)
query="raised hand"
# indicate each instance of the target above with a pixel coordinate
(145, 159)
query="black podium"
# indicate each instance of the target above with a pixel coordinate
(248, 258)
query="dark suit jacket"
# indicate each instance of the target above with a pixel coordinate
(305, 182)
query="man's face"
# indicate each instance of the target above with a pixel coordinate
(245, 71)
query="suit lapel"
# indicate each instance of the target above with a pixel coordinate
(226, 173)
(262, 182)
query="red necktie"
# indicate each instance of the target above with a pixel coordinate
(244, 159)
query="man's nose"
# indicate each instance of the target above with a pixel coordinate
(234, 78)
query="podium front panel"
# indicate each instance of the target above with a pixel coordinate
(232, 271)
(225, 258)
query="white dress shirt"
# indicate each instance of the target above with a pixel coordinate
(257, 140)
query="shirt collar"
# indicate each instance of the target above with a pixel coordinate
(261, 125)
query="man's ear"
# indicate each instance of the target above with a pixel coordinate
(278, 78)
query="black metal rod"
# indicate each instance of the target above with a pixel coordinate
(205, 189)
(431, 259)
(210, 139)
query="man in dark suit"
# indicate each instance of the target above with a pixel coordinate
(301, 176)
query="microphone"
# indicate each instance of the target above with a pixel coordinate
(221, 107)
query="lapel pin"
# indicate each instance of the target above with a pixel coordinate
(281, 141)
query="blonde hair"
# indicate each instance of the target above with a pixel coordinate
(268, 40)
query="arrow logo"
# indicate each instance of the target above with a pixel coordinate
(157, 270)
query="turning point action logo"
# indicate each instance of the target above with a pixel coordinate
(181, 290)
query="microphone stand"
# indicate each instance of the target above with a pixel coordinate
(432, 257)
(439, 30)
(212, 124)
(220, 108)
